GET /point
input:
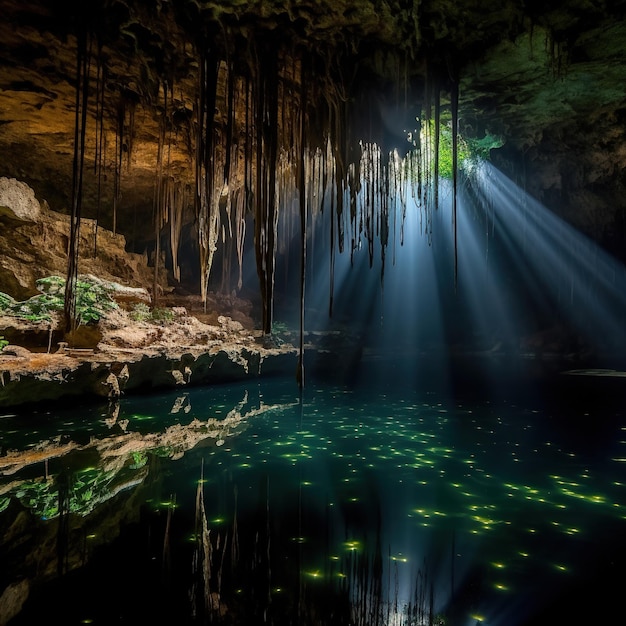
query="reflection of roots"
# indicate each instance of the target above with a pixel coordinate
(216, 605)
(202, 562)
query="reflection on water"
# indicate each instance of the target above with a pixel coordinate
(251, 504)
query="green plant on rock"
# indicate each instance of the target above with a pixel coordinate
(279, 328)
(3, 343)
(162, 315)
(140, 312)
(139, 460)
(6, 301)
(470, 150)
(51, 285)
(93, 300)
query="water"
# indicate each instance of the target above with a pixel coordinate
(378, 503)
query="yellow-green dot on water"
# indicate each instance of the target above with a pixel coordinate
(399, 558)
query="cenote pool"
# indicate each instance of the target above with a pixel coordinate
(376, 502)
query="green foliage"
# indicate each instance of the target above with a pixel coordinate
(481, 148)
(162, 315)
(142, 313)
(6, 301)
(139, 460)
(51, 285)
(40, 495)
(93, 300)
(3, 343)
(85, 489)
(469, 150)
(279, 328)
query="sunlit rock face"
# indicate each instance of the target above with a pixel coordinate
(181, 92)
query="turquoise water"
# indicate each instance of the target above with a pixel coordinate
(377, 503)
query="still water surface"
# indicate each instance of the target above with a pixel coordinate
(363, 504)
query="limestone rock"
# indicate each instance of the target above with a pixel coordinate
(122, 293)
(229, 325)
(36, 248)
(18, 351)
(17, 201)
(12, 599)
(112, 386)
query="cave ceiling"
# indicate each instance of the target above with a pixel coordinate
(548, 77)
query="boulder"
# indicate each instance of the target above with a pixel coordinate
(17, 201)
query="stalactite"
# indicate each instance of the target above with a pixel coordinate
(383, 235)
(130, 131)
(227, 243)
(230, 120)
(119, 152)
(436, 145)
(454, 107)
(83, 51)
(206, 208)
(270, 124)
(425, 174)
(303, 211)
(100, 156)
(331, 286)
(159, 211)
(266, 210)
(176, 199)
(240, 231)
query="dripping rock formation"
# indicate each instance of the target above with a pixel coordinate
(547, 77)
(191, 128)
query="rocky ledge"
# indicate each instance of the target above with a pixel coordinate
(135, 357)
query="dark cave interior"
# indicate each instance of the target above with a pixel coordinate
(422, 200)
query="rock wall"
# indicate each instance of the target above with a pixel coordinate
(34, 242)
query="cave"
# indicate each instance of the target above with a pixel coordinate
(312, 312)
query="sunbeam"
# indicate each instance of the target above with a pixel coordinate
(559, 275)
